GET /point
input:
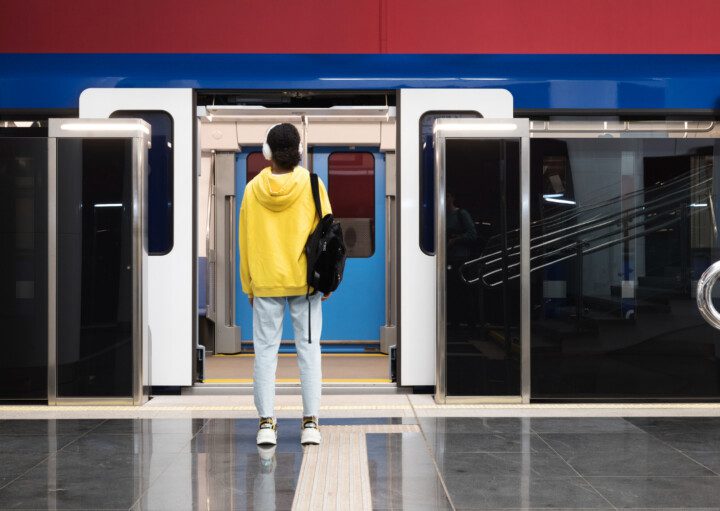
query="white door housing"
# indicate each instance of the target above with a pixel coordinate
(170, 276)
(417, 269)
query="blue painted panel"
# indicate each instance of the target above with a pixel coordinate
(243, 311)
(536, 81)
(357, 310)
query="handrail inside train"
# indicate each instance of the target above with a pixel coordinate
(631, 219)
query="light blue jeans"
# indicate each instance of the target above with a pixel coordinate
(267, 332)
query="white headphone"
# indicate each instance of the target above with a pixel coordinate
(267, 152)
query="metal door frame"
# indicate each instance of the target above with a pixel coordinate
(223, 255)
(139, 132)
(514, 129)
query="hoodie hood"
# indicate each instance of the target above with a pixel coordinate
(276, 198)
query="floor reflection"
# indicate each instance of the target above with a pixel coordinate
(264, 484)
(425, 463)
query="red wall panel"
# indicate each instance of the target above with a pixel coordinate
(554, 26)
(255, 163)
(360, 26)
(351, 184)
(189, 26)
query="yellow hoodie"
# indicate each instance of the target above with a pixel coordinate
(277, 215)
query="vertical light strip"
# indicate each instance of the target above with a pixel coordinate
(52, 271)
(440, 270)
(525, 264)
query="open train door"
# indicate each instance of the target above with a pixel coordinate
(170, 219)
(418, 110)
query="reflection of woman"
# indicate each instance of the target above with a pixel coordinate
(264, 488)
(461, 236)
(460, 231)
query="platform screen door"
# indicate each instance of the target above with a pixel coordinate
(482, 253)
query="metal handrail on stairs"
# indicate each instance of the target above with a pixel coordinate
(704, 295)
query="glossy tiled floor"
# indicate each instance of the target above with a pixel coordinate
(441, 463)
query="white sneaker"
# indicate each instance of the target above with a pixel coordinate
(267, 431)
(310, 432)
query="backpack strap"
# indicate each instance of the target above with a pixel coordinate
(316, 198)
(316, 193)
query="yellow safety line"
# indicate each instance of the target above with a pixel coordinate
(295, 380)
(239, 355)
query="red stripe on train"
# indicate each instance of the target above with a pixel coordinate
(360, 26)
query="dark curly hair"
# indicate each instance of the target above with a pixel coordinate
(284, 141)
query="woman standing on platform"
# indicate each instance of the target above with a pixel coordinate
(276, 217)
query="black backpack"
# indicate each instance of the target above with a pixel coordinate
(325, 251)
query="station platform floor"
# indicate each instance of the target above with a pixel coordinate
(336, 368)
(379, 452)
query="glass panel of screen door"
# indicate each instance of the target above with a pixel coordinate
(482, 207)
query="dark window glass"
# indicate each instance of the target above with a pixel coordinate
(622, 229)
(160, 179)
(427, 175)
(255, 163)
(94, 267)
(351, 187)
(482, 221)
(23, 268)
(34, 131)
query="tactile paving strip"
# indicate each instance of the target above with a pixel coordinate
(335, 474)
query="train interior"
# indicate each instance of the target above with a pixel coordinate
(349, 142)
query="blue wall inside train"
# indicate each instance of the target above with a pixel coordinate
(535, 81)
(356, 311)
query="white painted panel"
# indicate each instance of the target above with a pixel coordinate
(417, 270)
(218, 136)
(254, 133)
(169, 276)
(339, 133)
(203, 196)
(388, 136)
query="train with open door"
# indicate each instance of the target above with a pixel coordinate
(519, 228)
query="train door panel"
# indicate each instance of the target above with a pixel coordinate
(355, 179)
